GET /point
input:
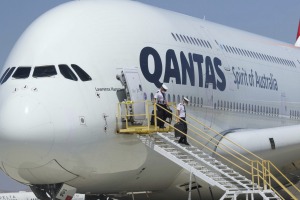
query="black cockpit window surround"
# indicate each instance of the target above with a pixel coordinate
(22, 73)
(81, 73)
(67, 72)
(8, 74)
(4, 74)
(44, 71)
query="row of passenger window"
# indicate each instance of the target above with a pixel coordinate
(23, 72)
(234, 50)
(295, 114)
(256, 55)
(232, 106)
(226, 105)
(193, 101)
(248, 108)
(191, 40)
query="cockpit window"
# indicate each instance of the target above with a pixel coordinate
(44, 71)
(4, 74)
(81, 73)
(22, 72)
(8, 74)
(67, 72)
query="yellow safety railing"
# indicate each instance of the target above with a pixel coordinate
(126, 122)
(262, 175)
(260, 170)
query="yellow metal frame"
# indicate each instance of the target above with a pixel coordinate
(260, 170)
(147, 128)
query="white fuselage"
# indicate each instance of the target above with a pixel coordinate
(57, 130)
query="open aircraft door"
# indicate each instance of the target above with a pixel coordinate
(133, 91)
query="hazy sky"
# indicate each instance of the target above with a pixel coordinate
(276, 19)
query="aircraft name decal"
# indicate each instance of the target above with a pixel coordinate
(209, 72)
(254, 79)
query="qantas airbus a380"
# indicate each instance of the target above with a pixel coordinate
(58, 96)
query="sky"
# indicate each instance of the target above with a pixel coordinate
(276, 19)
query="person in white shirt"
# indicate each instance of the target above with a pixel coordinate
(160, 99)
(181, 113)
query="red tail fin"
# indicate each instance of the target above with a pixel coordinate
(298, 33)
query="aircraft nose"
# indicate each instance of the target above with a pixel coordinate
(26, 131)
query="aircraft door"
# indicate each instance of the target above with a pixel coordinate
(283, 106)
(133, 91)
(208, 103)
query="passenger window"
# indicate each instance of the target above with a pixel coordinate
(209, 44)
(22, 72)
(178, 37)
(4, 74)
(196, 41)
(189, 39)
(206, 44)
(169, 97)
(67, 72)
(81, 73)
(182, 38)
(44, 71)
(174, 36)
(152, 96)
(8, 74)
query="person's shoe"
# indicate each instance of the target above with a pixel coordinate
(186, 143)
(162, 127)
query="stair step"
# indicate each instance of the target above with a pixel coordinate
(207, 166)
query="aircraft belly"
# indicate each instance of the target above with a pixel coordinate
(128, 166)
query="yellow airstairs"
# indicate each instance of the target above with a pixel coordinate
(239, 175)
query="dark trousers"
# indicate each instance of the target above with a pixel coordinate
(183, 137)
(161, 113)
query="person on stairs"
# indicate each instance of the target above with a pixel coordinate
(160, 99)
(181, 116)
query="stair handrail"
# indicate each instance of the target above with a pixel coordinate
(222, 136)
(287, 179)
(250, 173)
(205, 146)
(258, 174)
(210, 140)
(264, 174)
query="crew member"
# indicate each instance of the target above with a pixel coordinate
(160, 99)
(181, 113)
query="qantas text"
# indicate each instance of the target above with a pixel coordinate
(209, 72)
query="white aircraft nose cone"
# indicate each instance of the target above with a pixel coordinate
(26, 132)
